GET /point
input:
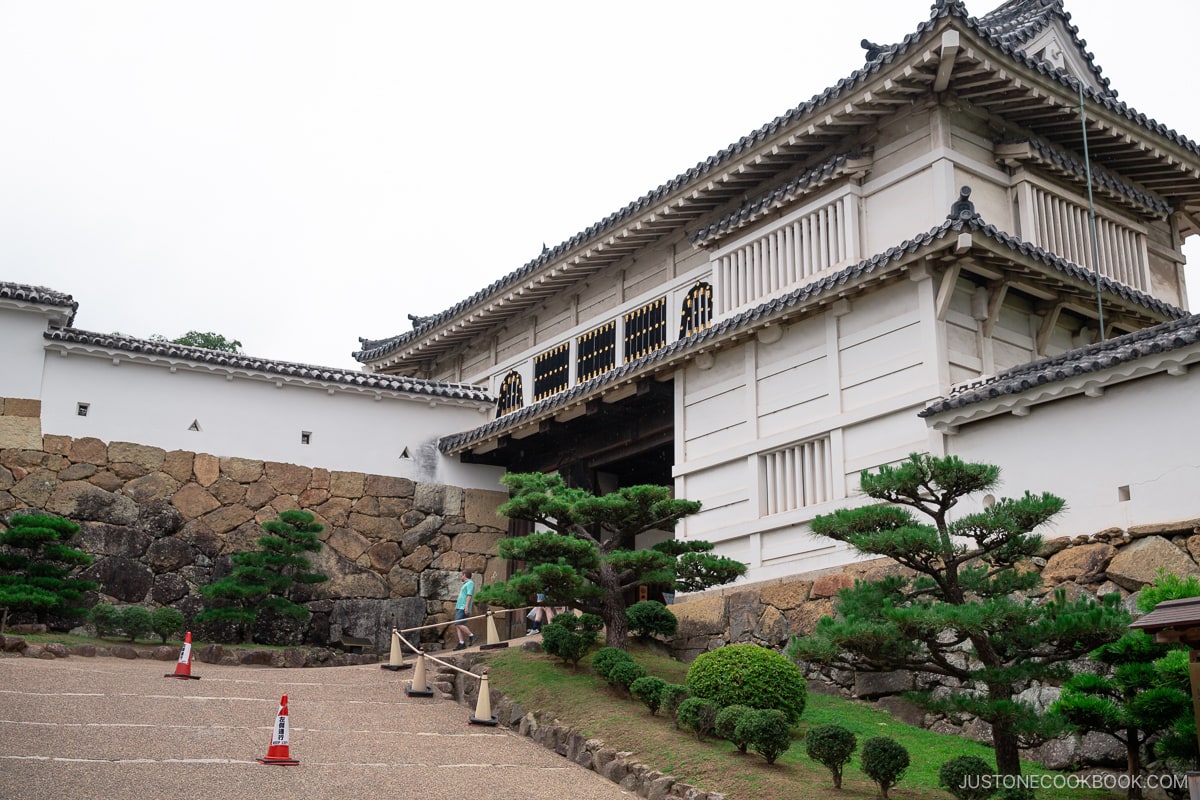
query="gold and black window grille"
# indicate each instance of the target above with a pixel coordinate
(645, 329)
(551, 371)
(596, 351)
(697, 311)
(511, 394)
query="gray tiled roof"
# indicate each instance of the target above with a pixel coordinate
(286, 369)
(40, 295)
(1006, 28)
(1100, 176)
(1018, 21)
(777, 196)
(965, 222)
(1081, 361)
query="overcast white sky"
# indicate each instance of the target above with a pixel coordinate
(298, 174)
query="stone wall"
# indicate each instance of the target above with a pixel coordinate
(161, 524)
(770, 613)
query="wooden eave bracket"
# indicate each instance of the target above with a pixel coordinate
(946, 58)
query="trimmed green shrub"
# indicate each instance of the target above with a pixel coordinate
(831, 745)
(570, 637)
(727, 722)
(651, 618)
(134, 622)
(648, 690)
(105, 618)
(165, 622)
(698, 714)
(884, 760)
(608, 657)
(749, 675)
(766, 731)
(961, 778)
(624, 673)
(672, 695)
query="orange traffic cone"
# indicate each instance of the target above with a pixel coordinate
(277, 753)
(183, 669)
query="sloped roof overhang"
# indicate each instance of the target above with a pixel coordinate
(118, 348)
(950, 53)
(986, 251)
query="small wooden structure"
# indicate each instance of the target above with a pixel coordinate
(1179, 621)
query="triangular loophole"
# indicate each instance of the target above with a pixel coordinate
(405, 454)
(195, 426)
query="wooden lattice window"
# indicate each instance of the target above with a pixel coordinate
(551, 371)
(596, 351)
(645, 329)
(511, 394)
(697, 312)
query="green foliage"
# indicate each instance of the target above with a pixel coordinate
(648, 690)
(651, 618)
(587, 559)
(624, 673)
(1178, 743)
(698, 714)
(206, 339)
(884, 760)
(1167, 586)
(36, 565)
(135, 622)
(966, 595)
(165, 622)
(831, 745)
(105, 619)
(672, 696)
(765, 731)
(727, 724)
(570, 637)
(960, 777)
(264, 579)
(749, 675)
(606, 658)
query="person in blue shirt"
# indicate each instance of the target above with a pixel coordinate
(462, 610)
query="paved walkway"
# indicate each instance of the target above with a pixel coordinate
(110, 728)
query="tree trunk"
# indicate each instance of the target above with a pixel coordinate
(1133, 763)
(1005, 745)
(612, 608)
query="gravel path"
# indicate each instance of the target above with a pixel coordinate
(84, 728)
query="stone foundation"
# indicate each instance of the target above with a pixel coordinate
(161, 524)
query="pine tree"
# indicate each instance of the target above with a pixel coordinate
(36, 564)
(963, 613)
(263, 579)
(587, 560)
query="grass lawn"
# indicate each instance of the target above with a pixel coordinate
(582, 700)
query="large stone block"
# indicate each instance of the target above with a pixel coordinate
(169, 554)
(288, 478)
(178, 464)
(22, 407)
(347, 484)
(20, 433)
(479, 508)
(786, 595)
(1138, 562)
(877, 684)
(346, 579)
(35, 488)
(148, 458)
(207, 468)
(241, 470)
(193, 501)
(388, 486)
(227, 518)
(58, 445)
(1075, 563)
(155, 486)
(484, 543)
(390, 529)
(121, 578)
(374, 619)
(423, 532)
(89, 450)
(830, 585)
(81, 501)
(348, 543)
(100, 539)
(701, 616)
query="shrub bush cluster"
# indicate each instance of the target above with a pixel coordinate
(831, 745)
(136, 622)
(570, 637)
(749, 675)
(649, 618)
(884, 760)
(699, 715)
(649, 691)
